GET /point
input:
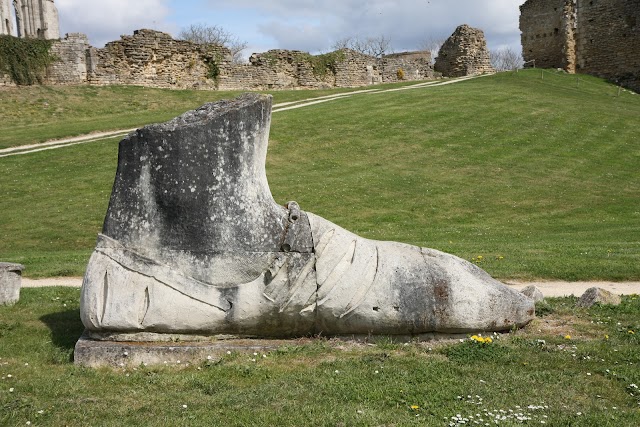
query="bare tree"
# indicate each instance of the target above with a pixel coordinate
(432, 44)
(372, 46)
(505, 59)
(343, 43)
(213, 34)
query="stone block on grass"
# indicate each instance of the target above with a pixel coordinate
(10, 282)
(597, 295)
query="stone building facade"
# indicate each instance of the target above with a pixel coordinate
(6, 20)
(154, 59)
(33, 18)
(599, 37)
(465, 53)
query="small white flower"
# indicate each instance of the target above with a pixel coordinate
(588, 374)
(9, 376)
(376, 372)
(337, 371)
(228, 351)
(208, 357)
(184, 406)
(11, 390)
(41, 411)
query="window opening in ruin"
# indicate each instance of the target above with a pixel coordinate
(556, 31)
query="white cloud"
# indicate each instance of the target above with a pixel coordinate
(106, 20)
(313, 25)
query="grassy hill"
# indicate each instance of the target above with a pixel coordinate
(530, 174)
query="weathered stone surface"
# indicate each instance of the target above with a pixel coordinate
(6, 19)
(120, 354)
(10, 281)
(597, 296)
(593, 37)
(194, 243)
(534, 293)
(465, 53)
(154, 59)
(37, 19)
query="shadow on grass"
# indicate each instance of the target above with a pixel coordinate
(65, 327)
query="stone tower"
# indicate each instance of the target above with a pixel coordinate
(37, 19)
(465, 53)
(6, 20)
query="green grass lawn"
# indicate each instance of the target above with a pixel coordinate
(38, 113)
(538, 177)
(589, 378)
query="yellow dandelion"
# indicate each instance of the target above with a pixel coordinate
(567, 337)
(632, 332)
(488, 340)
(606, 337)
(415, 407)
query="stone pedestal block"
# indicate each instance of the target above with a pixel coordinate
(10, 278)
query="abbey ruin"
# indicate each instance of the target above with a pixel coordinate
(598, 37)
(154, 59)
(34, 19)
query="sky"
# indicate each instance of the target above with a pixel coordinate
(308, 25)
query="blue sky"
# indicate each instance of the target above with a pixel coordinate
(309, 25)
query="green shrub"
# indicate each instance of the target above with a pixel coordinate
(25, 60)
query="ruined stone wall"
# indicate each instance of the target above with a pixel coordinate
(286, 69)
(275, 69)
(71, 64)
(153, 58)
(357, 69)
(546, 26)
(465, 53)
(608, 40)
(414, 66)
(599, 37)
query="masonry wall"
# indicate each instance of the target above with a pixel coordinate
(71, 64)
(599, 37)
(414, 66)
(608, 40)
(154, 59)
(545, 28)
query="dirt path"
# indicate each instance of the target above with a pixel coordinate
(548, 288)
(99, 136)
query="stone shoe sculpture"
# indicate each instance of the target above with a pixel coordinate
(193, 243)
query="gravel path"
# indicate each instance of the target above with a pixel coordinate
(548, 288)
(99, 136)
